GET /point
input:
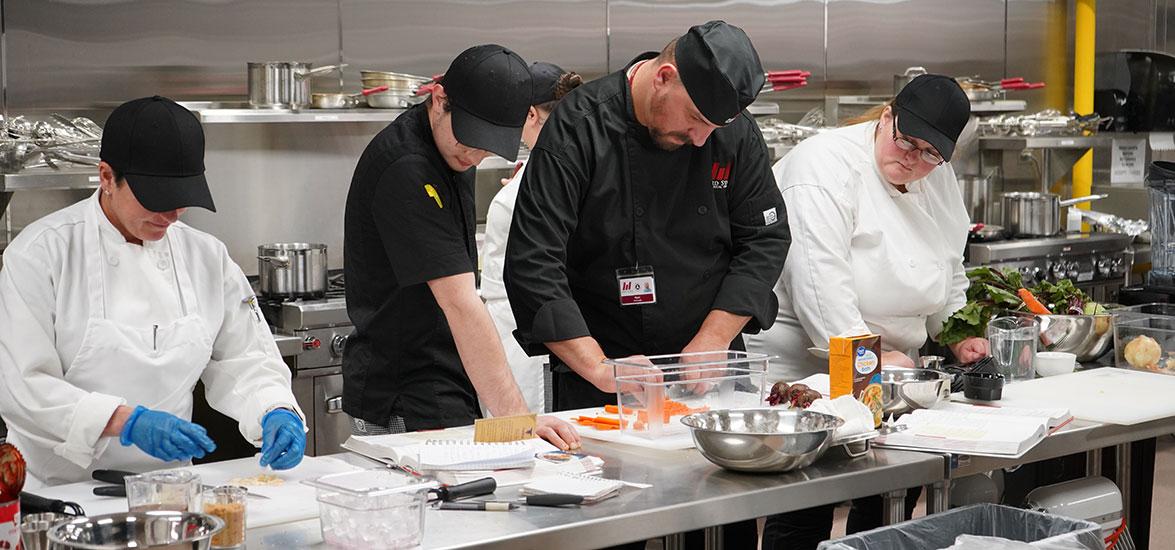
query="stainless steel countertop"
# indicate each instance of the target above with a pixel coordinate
(688, 493)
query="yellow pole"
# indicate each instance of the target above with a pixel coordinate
(1083, 59)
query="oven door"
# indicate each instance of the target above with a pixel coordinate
(331, 426)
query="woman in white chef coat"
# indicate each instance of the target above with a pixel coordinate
(550, 83)
(878, 234)
(111, 310)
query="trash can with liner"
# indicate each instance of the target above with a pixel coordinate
(978, 527)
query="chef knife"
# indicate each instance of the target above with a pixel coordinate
(118, 489)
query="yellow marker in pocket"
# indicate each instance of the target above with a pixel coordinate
(432, 192)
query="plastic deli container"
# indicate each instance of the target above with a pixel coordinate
(978, 527)
(1144, 337)
(654, 392)
(379, 509)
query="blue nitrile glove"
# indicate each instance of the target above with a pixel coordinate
(165, 436)
(283, 441)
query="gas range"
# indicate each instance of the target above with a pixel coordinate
(322, 327)
(1099, 263)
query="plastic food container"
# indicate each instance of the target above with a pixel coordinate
(378, 509)
(655, 393)
(1144, 338)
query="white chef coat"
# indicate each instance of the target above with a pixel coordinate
(528, 371)
(864, 257)
(203, 318)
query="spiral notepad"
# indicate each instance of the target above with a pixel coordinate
(465, 455)
(591, 488)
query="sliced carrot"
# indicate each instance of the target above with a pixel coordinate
(606, 420)
(1032, 302)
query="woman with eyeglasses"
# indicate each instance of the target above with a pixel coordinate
(878, 234)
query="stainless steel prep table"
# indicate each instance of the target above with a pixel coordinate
(688, 493)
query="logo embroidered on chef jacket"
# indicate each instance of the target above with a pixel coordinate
(769, 216)
(720, 175)
(729, 120)
(432, 192)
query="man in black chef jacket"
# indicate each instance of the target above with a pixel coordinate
(648, 221)
(424, 348)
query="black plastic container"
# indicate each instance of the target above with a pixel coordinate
(983, 386)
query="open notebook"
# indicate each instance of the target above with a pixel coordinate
(447, 453)
(973, 433)
(592, 489)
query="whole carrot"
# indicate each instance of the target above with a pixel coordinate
(1033, 304)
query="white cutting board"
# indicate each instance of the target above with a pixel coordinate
(1108, 395)
(291, 501)
(672, 442)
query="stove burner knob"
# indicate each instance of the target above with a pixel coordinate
(1072, 270)
(1103, 268)
(1057, 270)
(311, 343)
(1118, 267)
(1039, 275)
(337, 344)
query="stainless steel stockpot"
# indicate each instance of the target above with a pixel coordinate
(292, 270)
(282, 84)
(1036, 214)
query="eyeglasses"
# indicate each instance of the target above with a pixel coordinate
(927, 155)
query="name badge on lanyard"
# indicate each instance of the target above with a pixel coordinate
(637, 285)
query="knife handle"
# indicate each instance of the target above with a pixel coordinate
(117, 477)
(110, 491)
(483, 486)
(553, 500)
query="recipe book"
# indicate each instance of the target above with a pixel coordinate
(982, 434)
(593, 489)
(1056, 417)
(415, 452)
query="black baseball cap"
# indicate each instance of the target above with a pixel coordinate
(544, 79)
(720, 69)
(158, 147)
(489, 89)
(933, 107)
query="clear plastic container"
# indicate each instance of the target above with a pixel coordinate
(654, 392)
(378, 509)
(1144, 337)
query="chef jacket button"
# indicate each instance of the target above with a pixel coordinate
(913, 263)
(161, 264)
(640, 211)
(702, 210)
(112, 260)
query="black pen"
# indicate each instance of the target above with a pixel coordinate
(480, 506)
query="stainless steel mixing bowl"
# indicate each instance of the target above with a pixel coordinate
(762, 440)
(171, 530)
(904, 390)
(1086, 336)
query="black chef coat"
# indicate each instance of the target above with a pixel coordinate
(409, 219)
(598, 195)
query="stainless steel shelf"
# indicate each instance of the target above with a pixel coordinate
(43, 179)
(239, 113)
(998, 106)
(1015, 143)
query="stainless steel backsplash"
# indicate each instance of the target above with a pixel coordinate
(275, 182)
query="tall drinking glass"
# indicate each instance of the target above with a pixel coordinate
(1013, 346)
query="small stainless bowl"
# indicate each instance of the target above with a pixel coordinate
(762, 440)
(173, 530)
(904, 390)
(1086, 336)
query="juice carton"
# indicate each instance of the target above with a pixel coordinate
(854, 368)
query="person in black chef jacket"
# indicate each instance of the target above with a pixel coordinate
(648, 221)
(424, 348)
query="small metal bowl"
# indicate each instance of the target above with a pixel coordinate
(173, 530)
(904, 390)
(762, 440)
(1086, 336)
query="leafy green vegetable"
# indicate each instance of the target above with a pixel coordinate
(993, 291)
